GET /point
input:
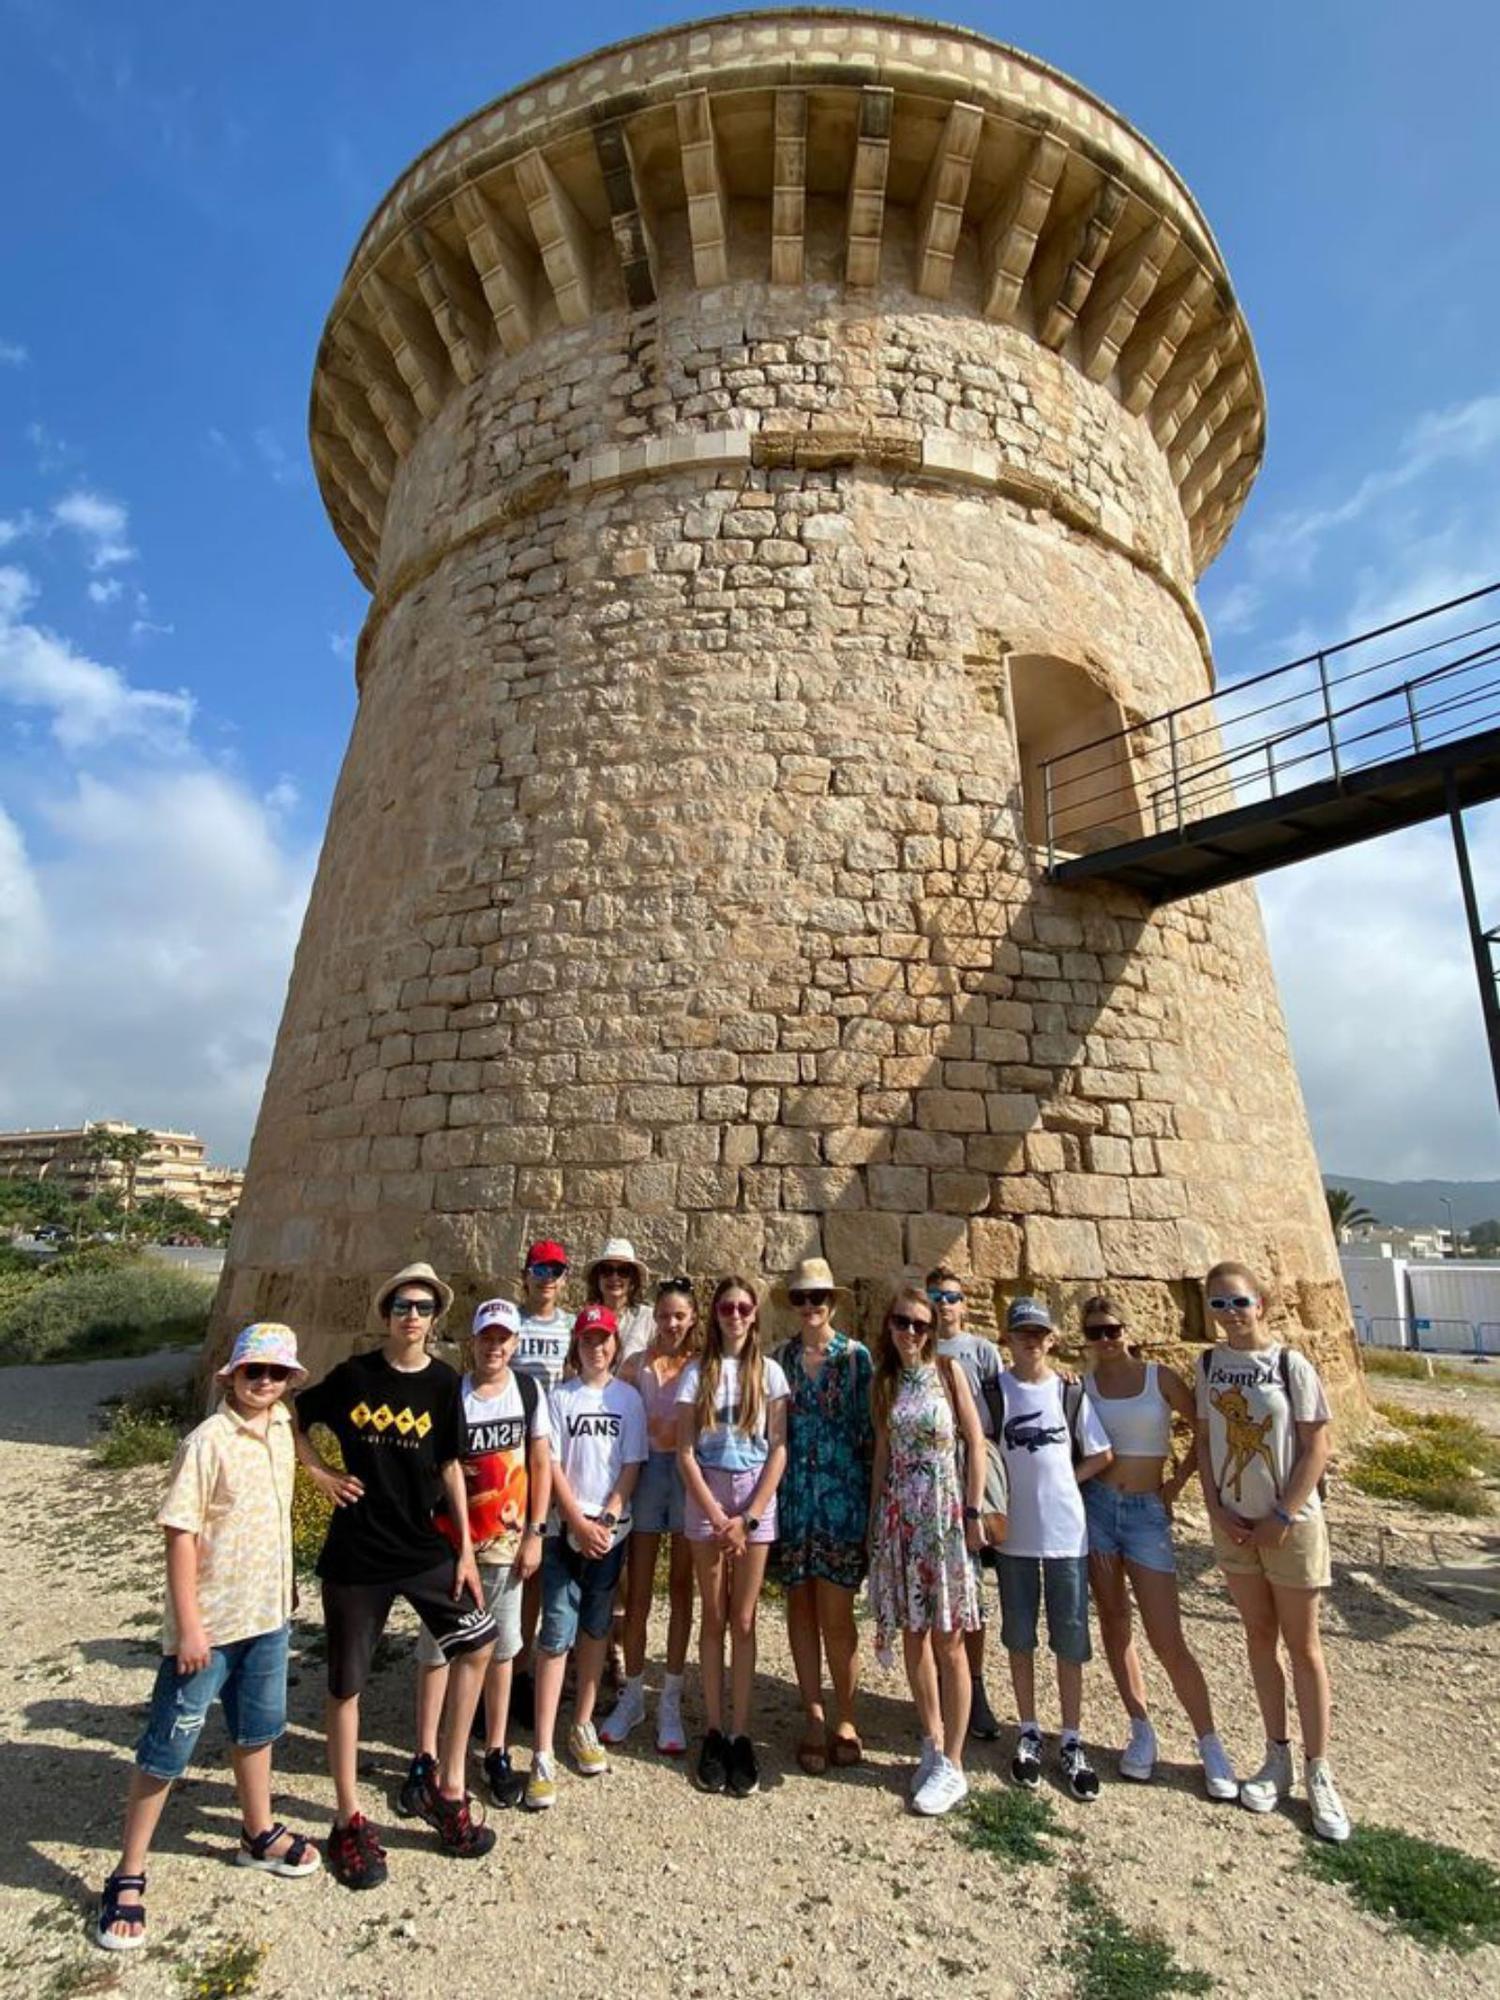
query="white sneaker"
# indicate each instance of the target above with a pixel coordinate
(926, 1764)
(628, 1713)
(1329, 1820)
(1272, 1783)
(1138, 1758)
(586, 1750)
(671, 1737)
(1219, 1780)
(945, 1786)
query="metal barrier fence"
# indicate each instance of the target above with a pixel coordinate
(1423, 1335)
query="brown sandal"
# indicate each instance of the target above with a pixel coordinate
(845, 1752)
(812, 1756)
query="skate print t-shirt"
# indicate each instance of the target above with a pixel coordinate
(496, 1468)
(1252, 1427)
(1046, 1508)
(397, 1429)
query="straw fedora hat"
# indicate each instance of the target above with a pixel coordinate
(811, 1275)
(414, 1274)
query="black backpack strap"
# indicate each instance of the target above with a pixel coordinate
(527, 1386)
(1072, 1402)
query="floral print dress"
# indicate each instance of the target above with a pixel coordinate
(921, 1578)
(823, 1502)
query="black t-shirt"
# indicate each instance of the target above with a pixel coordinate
(396, 1431)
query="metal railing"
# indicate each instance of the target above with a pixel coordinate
(1342, 709)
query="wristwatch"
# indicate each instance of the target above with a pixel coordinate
(536, 1527)
(610, 1520)
(972, 1514)
(752, 1522)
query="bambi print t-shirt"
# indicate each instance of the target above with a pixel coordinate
(1252, 1425)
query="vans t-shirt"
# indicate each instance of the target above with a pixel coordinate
(542, 1348)
(1046, 1508)
(596, 1432)
(1252, 1428)
(496, 1474)
(726, 1445)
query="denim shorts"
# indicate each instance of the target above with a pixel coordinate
(577, 1590)
(656, 1504)
(1064, 1581)
(1132, 1525)
(249, 1678)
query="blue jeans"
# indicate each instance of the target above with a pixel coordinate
(248, 1677)
(1065, 1582)
(577, 1590)
(1132, 1525)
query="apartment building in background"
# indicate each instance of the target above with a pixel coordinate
(177, 1164)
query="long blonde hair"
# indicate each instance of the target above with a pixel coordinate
(888, 1362)
(752, 1398)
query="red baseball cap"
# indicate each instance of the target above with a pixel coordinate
(546, 1252)
(595, 1319)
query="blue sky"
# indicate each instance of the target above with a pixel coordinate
(177, 619)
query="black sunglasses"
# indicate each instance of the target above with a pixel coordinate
(423, 1308)
(904, 1323)
(614, 1270)
(809, 1298)
(677, 1284)
(265, 1371)
(1103, 1329)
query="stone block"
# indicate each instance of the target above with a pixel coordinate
(1058, 1248)
(994, 1248)
(950, 1110)
(707, 1187)
(822, 1187)
(864, 1244)
(901, 1188)
(1142, 1249)
(936, 1239)
(955, 1191)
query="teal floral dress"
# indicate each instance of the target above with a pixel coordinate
(921, 1579)
(823, 1502)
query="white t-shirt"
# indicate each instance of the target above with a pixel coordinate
(543, 1347)
(1046, 1508)
(495, 1466)
(726, 1446)
(596, 1433)
(1252, 1428)
(637, 1324)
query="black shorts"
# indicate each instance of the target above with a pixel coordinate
(355, 1615)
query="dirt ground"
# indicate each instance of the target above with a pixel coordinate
(636, 1884)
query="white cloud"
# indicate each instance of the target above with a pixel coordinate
(15, 526)
(284, 469)
(146, 967)
(341, 645)
(88, 703)
(13, 354)
(105, 592)
(101, 523)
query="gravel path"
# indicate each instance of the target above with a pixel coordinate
(637, 1884)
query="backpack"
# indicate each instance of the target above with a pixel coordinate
(1284, 1376)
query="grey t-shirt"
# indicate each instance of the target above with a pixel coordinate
(979, 1362)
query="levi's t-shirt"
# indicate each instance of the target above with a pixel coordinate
(1252, 1427)
(597, 1430)
(725, 1444)
(397, 1429)
(1046, 1507)
(496, 1469)
(542, 1350)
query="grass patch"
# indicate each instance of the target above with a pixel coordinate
(1436, 1894)
(234, 1968)
(146, 1427)
(1436, 1463)
(93, 1311)
(1113, 1960)
(1015, 1827)
(1480, 1447)
(1402, 1365)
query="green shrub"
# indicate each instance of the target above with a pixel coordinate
(1438, 1895)
(1480, 1448)
(1395, 1362)
(1013, 1826)
(85, 1314)
(146, 1426)
(1424, 1472)
(312, 1510)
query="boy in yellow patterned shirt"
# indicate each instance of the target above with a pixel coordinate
(227, 1517)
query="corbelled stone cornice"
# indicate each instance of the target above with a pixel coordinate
(1028, 202)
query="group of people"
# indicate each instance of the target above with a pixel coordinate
(519, 1509)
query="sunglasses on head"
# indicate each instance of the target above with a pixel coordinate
(945, 1298)
(677, 1284)
(737, 1308)
(809, 1298)
(265, 1371)
(1235, 1302)
(545, 1270)
(423, 1308)
(904, 1323)
(1103, 1329)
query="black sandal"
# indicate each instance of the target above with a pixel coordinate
(113, 1911)
(301, 1858)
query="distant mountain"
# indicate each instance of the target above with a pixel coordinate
(1419, 1204)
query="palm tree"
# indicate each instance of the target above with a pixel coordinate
(1346, 1214)
(130, 1149)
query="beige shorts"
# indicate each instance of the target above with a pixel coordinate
(1301, 1563)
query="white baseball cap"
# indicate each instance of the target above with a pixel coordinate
(497, 1312)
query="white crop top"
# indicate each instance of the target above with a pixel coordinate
(1138, 1426)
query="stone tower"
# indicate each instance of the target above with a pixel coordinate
(764, 442)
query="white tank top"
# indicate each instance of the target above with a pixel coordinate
(1138, 1426)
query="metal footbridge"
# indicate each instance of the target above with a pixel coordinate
(1398, 725)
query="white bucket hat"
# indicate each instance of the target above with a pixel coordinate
(619, 1250)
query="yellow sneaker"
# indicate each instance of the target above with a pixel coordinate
(587, 1752)
(541, 1784)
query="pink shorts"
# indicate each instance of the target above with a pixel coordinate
(732, 1490)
